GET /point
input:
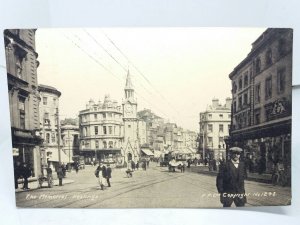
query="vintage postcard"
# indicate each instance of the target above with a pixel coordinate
(150, 117)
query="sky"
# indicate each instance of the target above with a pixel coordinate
(176, 72)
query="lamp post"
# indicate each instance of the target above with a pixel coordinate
(58, 138)
(227, 141)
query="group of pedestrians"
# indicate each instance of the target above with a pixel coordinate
(22, 171)
(104, 176)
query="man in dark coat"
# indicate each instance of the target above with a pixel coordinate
(108, 175)
(230, 180)
(17, 173)
(26, 173)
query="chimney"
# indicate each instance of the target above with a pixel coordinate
(228, 103)
(215, 103)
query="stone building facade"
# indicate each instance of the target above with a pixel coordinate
(21, 64)
(112, 132)
(52, 147)
(214, 128)
(262, 99)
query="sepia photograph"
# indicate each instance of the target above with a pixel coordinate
(150, 117)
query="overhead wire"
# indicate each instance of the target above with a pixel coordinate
(95, 60)
(147, 80)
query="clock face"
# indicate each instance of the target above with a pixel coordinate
(128, 109)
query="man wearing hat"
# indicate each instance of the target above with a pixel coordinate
(230, 179)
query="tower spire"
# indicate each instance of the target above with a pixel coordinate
(128, 87)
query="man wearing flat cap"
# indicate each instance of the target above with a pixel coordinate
(230, 179)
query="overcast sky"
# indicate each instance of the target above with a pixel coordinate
(175, 71)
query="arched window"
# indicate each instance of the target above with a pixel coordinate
(257, 65)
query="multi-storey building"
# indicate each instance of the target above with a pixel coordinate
(262, 98)
(214, 127)
(109, 131)
(101, 130)
(21, 64)
(70, 138)
(52, 148)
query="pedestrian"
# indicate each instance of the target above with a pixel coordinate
(25, 173)
(99, 177)
(76, 167)
(231, 179)
(60, 175)
(64, 169)
(132, 165)
(17, 173)
(137, 165)
(108, 175)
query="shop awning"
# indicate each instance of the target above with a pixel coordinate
(53, 157)
(147, 152)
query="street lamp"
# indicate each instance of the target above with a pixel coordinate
(227, 141)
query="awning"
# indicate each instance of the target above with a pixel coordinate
(147, 152)
(157, 153)
(53, 157)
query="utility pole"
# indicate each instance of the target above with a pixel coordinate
(58, 138)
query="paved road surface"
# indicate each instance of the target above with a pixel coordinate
(155, 187)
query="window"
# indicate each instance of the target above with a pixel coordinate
(210, 128)
(104, 115)
(54, 101)
(47, 138)
(268, 88)
(240, 83)
(240, 102)
(96, 130)
(104, 130)
(87, 144)
(269, 57)
(281, 47)
(96, 144)
(221, 116)
(110, 129)
(234, 88)
(110, 144)
(22, 112)
(257, 65)
(209, 140)
(221, 128)
(257, 117)
(129, 126)
(246, 80)
(44, 100)
(229, 116)
(95, 117)
(257, 93)
(281, 81)
(104, 144)
(221, 142)
(53, 137)
(46, 119)
(85, 131)
(209, 116)
(245, 98)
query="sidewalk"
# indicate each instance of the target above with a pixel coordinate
(33, 184)
(262, 178)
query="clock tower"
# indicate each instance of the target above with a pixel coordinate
(131, 143)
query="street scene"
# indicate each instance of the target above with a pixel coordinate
(151, 188)
(150, 117)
